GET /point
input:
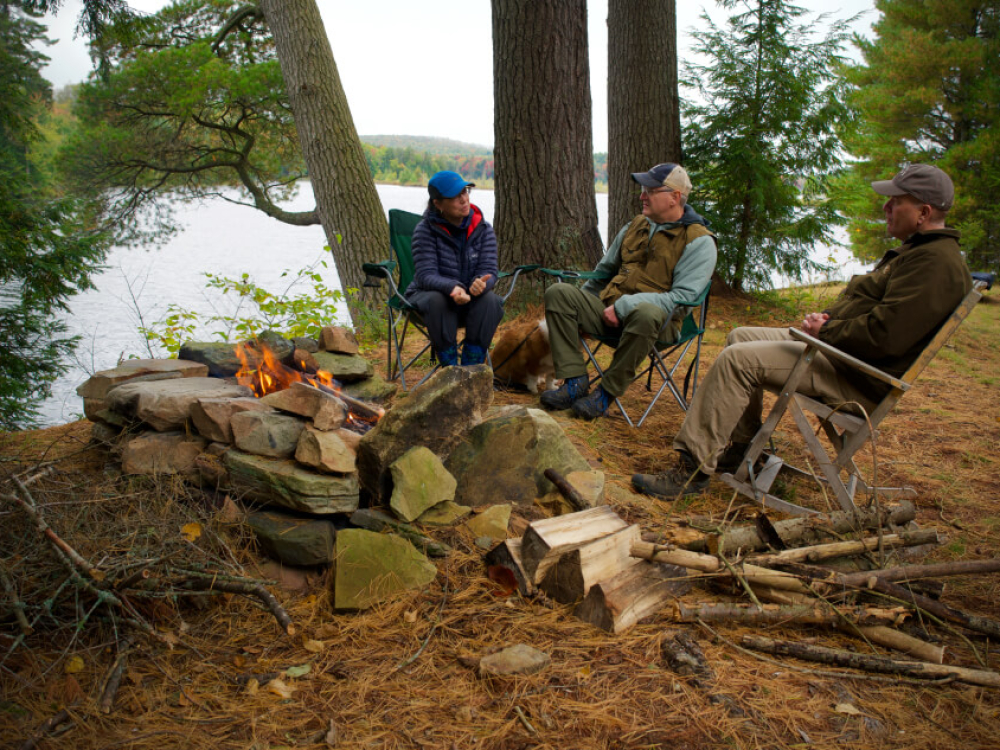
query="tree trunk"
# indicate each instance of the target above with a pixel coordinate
(644, 122)
(348, 204)
(546, 211)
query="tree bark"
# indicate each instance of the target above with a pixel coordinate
(644, 122)
(348, 204)
(546, 211)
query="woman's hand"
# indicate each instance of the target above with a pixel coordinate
(460, 296)
(478, 286)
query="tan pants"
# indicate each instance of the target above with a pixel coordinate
(729, 402)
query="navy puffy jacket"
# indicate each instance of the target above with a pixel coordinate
(443, 261)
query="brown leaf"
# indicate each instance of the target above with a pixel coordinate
(504, 577)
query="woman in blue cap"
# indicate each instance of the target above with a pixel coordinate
(455, 259)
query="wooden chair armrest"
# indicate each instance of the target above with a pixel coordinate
(831, 352)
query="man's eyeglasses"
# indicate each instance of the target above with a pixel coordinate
(654, 191)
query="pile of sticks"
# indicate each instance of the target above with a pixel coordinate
(595, 559)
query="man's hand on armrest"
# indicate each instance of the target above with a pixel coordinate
(813, 322)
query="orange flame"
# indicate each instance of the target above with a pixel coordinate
(263, 373)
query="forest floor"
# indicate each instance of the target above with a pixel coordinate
(403, 675)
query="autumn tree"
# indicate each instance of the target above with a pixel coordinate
(928, 91)
(644, 122)
(546, 211)
(760, 137)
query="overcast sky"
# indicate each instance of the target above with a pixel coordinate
(425, 68)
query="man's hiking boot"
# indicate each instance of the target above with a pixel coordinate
(563, 397)
(731, 458)
(593, 406)
(682, 480)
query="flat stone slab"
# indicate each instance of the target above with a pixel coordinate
(344, 367)
(372, 567)
(333, 451)
(292, 539)
(291, 485)
(519, 659)
(166, 404)
(492, 522)
(419, 482)
(220, 358)
(444, 514)
(267, 433)
(98, 384)
(212, 416)
(162, 453)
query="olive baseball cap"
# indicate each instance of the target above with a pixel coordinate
(666, 175)
(925, 183)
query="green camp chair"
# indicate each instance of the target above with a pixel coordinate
(399, 273)
(666, 356)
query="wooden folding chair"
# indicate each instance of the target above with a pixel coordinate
(846, 432)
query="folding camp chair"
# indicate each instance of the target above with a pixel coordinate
(846, 432)
(666, 355)
(400, 313)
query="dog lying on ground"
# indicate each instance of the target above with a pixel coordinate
(522, 354)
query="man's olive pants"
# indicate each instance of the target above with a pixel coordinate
(729, 401)
(570, 310)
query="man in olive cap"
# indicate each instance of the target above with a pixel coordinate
(885, 318)
(663, 256)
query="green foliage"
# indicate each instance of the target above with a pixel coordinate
(49, 248)
(929, 92)
(257, 310)
(760, 138)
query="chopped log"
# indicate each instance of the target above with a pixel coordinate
(907, 644)
(618, 603)
(712, 565)
(917, 669)
(820, 552)
(798, 532)
(548, 539)
(507, 554)
(566, 490)
(815, 613)
(375, 520)
(571, 577)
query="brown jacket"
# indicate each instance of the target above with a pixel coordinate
(887, 317)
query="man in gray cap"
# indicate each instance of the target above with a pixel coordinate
(664, 256)
(885, 317)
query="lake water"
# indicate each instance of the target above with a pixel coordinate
(219, 238)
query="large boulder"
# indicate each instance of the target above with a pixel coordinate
(291, 485)
(419, 482)
(166, 404)
(98, 384)
(370, 568)
(436, 415)
(503, 460)
(267, 433)
(292, 539)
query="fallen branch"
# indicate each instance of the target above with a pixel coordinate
(437, 621)
(820, 552)
(915, 572)
(776, 614)
(47, 728)
(254, 590)
(566, 490)
(864, 662)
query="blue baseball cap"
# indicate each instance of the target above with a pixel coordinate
(447, 184)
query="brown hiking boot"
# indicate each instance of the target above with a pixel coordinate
(682, 480)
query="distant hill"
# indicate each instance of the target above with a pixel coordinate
(428, 144)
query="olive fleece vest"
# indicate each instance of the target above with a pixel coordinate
(647, 263)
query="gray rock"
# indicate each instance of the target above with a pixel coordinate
(162, 453)
(291, 485)
(436, 415)
(504, 459)
(212, 416)
(166, 404)
(344, 367)
(98, 384)
(338, 339)
(280, 347)
(419, 482)
(375, 388)
(267, 433)
(519, 659)
(332, 451)
(292, 539)
(219, 357)
(304, 342)
(370, 568)
(105, 434)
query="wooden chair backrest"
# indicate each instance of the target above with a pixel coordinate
(944, 333)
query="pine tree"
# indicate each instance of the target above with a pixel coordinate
(929, 92)
(760, 138)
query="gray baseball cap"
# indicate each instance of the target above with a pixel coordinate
(925, 183)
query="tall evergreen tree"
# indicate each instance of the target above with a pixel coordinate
(760, 137)
(929, 91)
(47, 252)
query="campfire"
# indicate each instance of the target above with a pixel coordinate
(263, 372)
